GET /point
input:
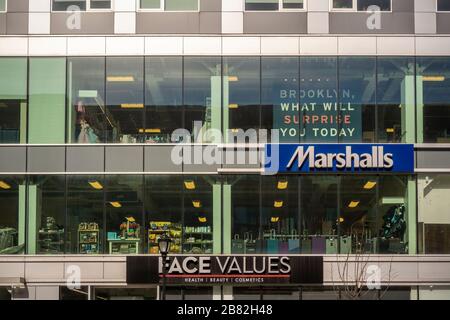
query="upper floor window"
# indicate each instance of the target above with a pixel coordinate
(273, 5)
(83, 5)
(2, 5)
(360, 5)
(443, 5)
(169, 5)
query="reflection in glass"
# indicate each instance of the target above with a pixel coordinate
(125, 99)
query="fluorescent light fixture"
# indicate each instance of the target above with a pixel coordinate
(196, 203)
(120, 79)
(278, 203)
(390, 130)
(116, 204)
(353, 204)
(274, 219)
(189, 184)
(233, 106)
(202, 219)
(154, 130)
(96, 185)
(233, 78)
(433, 78)
(369, 185)
(132, 106)
(282, 184)
(4, 185)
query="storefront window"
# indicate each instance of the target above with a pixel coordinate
(63, 5)
(163, 98)
(443, 5)
(13, 100)
(85, 229)
(433, 96)
(124, 99)
(12, 218)
(364, 5)
(261, 5)
(125, 228)
(87, 114)
(181, 5)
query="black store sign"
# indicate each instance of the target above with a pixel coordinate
(226, 270)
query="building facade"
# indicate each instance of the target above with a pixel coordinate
(122, 120)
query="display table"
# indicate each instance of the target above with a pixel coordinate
(124, 246)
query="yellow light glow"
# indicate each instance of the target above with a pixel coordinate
(341, 220)
(233, 78)
(154, 130)
(132, 106)
(96, 185)
(120, 79)
(390, 130)
(234, 130)
(369, 185)
(202, 219)
(233, 106)
(434, 78)
(4, 185)
(278, 203)
(353, 204)
(282, 184)
(116, 204)
(189, 184)
(274, 219)
(196, 203)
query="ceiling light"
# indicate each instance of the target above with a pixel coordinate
(233, 78)
(278, 203)
(196, 203)
(390, 130)
(4, 185)
(120, 79)
(96, 185)
(202, 219)
(189, 184)
(282, 184)
(116, 204)
(433, 78)
(369, 185)
(340, 220)
(154, 130)
(233, 106)
(132, 105)
(353, 204)
(274, 219)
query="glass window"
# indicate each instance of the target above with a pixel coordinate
(163, 98)
(85, 199)
(2, 5)
(395, 99)
(261, 5)
(202, 93)
(293, 4)
(342, 4)
(241, 93)
(357, 92)
(319, 100)
(443, 5)
(364, 5)
(47, 94)
(280, 97)
(13, 100)
(125, 229)
(100, 4)
(433, 100)
(12, 218)
(150, 4)
(181, 5)
(87, 114)
(124, 99)
(64, 5)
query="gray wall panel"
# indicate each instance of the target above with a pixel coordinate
(13, 159)
(275, 22)
(433, 159)
(231, 160)
(18, 5)
(157, 159)
(192, 167)
(16, 23)
(2, 23)
(167, 22)
(124, 159)
(443, 23)
(356, 23)
(85, 159)
(91, 23)
(210, 22)
(46, 159)
(211, 5)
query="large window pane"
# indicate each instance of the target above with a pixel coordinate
(433, 99)
(2, 5)
(357, 89)
(47, 94)
(150, 4)
(163, 98)
(87, 114)
(384, 5)
(100, 4)
(85, 215)
(63, 5)
(280, 97)
(443, 5)
(293, 4)
(395, 99)
(202, 93)
(261, 4)
(319, 100)
(342, 4)
(124, 99)
(12, 217)
(181, 5)
(13, 100)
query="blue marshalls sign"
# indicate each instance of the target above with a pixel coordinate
(339, 158)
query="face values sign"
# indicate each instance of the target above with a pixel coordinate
(226, 269)
(353, 158)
